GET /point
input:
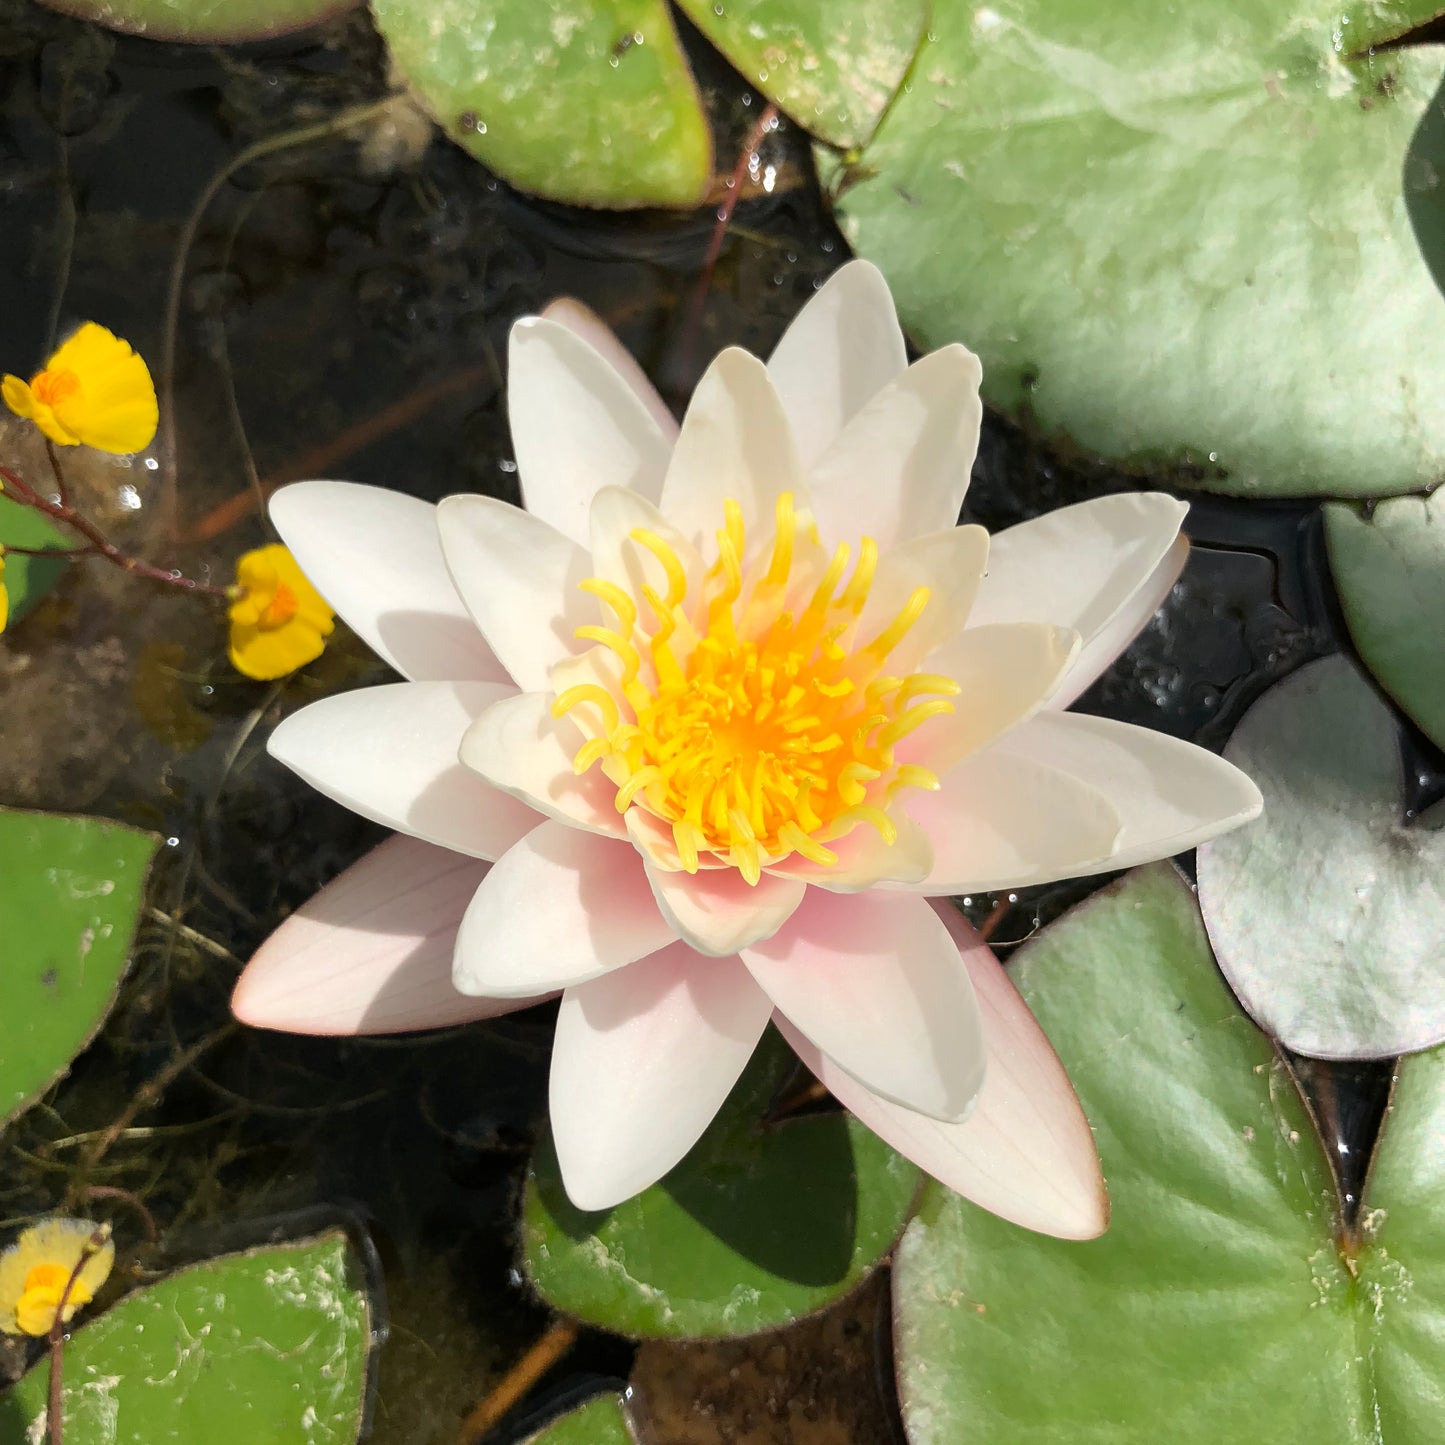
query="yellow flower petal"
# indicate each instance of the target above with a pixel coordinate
(4, 595)
(34, 1270)
(279, 621)
(94, 391)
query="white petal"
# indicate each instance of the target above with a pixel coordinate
(1026, 1152)
(520, 748)
(841, 349)
(1123, 627)
(901, 466)
(717, 912)
(558, 908)
(881, 990)
(1005, 821)
(864, 859)
(616, 514)
(735, 445)
(1101, 567)
(390, 754)
(374, 556)
(519, 579)
(951, 565)
(1005, 673)
(577, 424)
(371, 953)
(1169, 794)
(587, 324)
(642, 1061)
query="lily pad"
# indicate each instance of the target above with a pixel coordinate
(268, 1345)
(1219, 1306)
(1389, 568)
(760, 1225)
(1328, 914)
(28, 579)
(203, 20)
(832, 65)
(1186, 236)
(68, 909)
(602, 1421)
(588, 101)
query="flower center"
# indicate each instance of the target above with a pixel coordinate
(752, 721)
(35, 1309)
(279, 610)
(53, 387)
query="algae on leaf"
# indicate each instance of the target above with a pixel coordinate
(1178, 234)
(270, 1345)
(69, 904)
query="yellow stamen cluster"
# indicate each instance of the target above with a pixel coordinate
(751, 721)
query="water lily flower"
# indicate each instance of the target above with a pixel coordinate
(279, 621)
(35, 1269)
(694, 739)
(94, 391)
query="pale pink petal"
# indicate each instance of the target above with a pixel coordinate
(371, 953)
(1005, 674)
(951, 565)
(901, 466)
(374, 556)
(841, 349)
(558, 908)
(519, 579)
(587, 324)
(1100, 567)
(1026, 1152)
(390, 754)
(735, 445)
(865, 859)
(1005, 821)
(642, 1061)
(875, 981)
(577, 424)
(1170, 795)
(1099, 652)
(520, 748)
(717, 912)
(616, 557)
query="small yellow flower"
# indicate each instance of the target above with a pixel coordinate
(4, 595)
(279, 621)
(34, 1271)
(95, 391)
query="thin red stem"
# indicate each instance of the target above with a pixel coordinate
(101, 545)
(55, 1408)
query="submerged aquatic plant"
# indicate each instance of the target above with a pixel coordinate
(36, 1273)
(722, 760)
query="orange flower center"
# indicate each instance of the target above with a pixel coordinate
(279, 610)
(44, 1285)
(53, 387)
(754, 721)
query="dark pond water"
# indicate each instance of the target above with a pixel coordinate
(343, 310)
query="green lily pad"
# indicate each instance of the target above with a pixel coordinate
(832, 65)
(1186, 236)
(588, 101)
(602, 1421)
(1389, 571)
(203, 20)
(68, 909)
(270, 1345)
(1328, 914)
(758, 1226)
(1219, 1306)
(28, 579)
